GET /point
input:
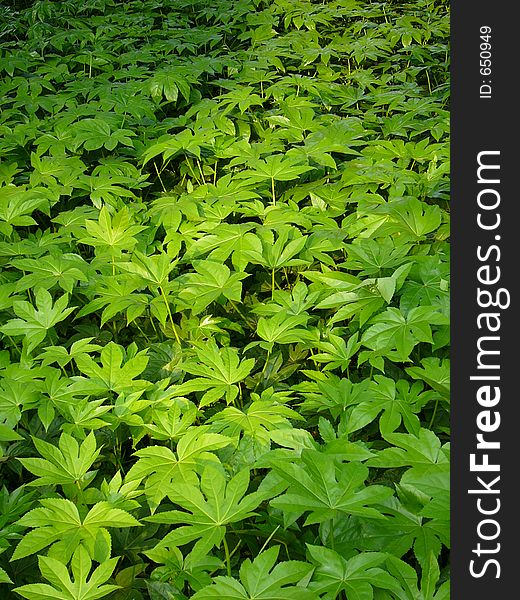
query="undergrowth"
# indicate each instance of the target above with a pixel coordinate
(224, 300)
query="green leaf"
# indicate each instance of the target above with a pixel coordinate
(112, 233)
(67, 464)
(217, 371)
(317, 484)
(211, 281)
(4, 577)
(58, 524)
(276, 167)
(283, 329)
(115, 373)
(260, 417)
(435, 372)
(394, 331)
(161, 467)
(399, 402)
(208, 510)
(262, 579)
(96, 133)
(34, 323)
(421, 450)
(64, 587)
(48, 271)
(17, 205)
(336, 352)
(233, 240)
(357, 576)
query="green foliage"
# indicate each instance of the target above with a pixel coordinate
(224, 300)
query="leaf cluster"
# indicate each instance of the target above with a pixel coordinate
(224, 300)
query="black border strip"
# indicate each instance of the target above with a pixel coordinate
(485, 256)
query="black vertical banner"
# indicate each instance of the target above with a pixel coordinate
(485, 246)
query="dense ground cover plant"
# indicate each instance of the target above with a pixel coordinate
(224, 300)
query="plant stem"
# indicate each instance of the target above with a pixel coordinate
(429, 82)
(263, 369)
(266, 361)
(268, 539)
(235, 548)
(142, 332)
(237, 309)
(434, 413)
(201, 172)
(170, 315)
(228, 557)
(159, 176)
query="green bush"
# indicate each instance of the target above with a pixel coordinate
(224, 300)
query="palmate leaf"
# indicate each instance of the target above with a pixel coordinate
(16, 397)
(394, 331)
(418, 451)
(243, 97)
(297, 301)
(429, 480)
(336, 352)
(173, 422)
(117, 295)
(435, 372)
(169, 84)
(320, 486)
(117, 372)
(154, 271)
(339, 137)
(186, 141)
(182, 570)
(360, 302)
(211, 281)
(112, 233)
(428, 284)
(275, 167)
(34, 323)
(407, 529)
(160, 467)
(356, 576)
(256, 421)
(48, 271)
(415, 218)
(333, 394)
(209, 509)
(69, 463)
(226, 240)
(429, 588)
(58, 524)
(97, 133)
(229, 188)
(283, 329)
(217, 371)
(106, 188)
(263, 579)
(398, 401)
(295, 121)
(277, 253)
(370, 257)
(17, 205)
(63, 587)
